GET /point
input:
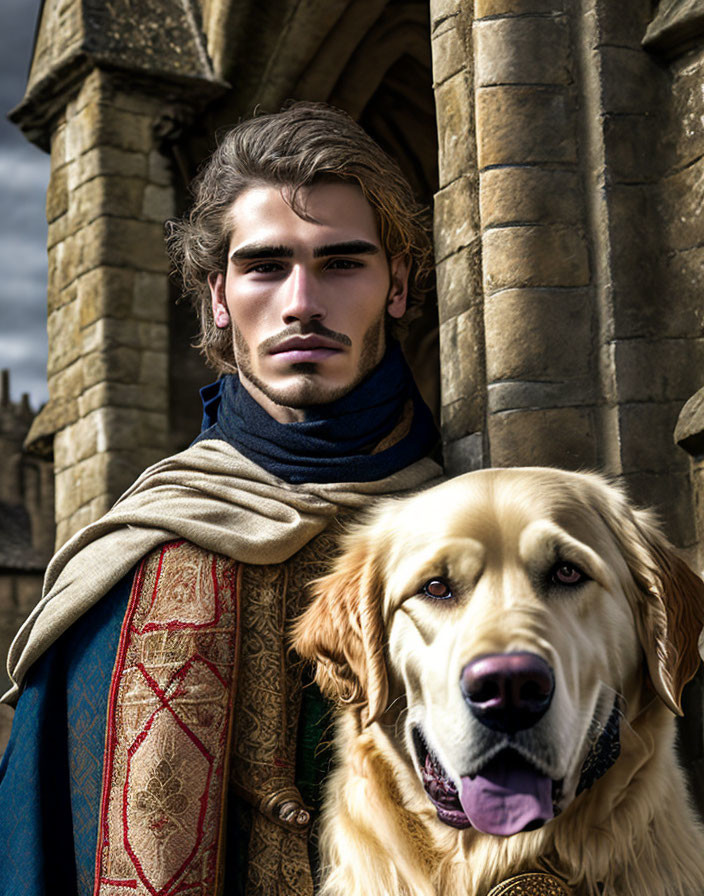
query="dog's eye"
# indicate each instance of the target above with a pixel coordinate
(437, 589)
(567, 574)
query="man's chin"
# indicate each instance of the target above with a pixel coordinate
(306, 387)
(300, 396)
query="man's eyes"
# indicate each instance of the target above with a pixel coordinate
(275, 267)
(265, 267)
(343, 264)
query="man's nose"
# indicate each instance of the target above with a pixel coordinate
(302, 296)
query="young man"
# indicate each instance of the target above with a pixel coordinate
(156, 695)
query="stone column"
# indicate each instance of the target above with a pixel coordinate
(458, 241)
(539, 311)
(582, 154)
(108, 196)
(106, 82)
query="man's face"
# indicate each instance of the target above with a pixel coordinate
(306, 299)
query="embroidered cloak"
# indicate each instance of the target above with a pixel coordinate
(214, 498)
(210, 495)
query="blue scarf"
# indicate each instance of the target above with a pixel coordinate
(378, 428)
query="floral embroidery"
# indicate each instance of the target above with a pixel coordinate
(166, 760)
(162, 799)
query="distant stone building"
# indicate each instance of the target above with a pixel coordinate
(560, 141)
(26, 524)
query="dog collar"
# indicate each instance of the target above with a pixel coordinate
(531, 883)
(604, 751)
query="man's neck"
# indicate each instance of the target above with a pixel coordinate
(372, 431)
(278, 412)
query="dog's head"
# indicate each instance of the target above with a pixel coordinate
(513, 610)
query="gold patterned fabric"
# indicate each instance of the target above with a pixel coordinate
(266, 718)
(203, 643)
(168, 728)
(532, 883)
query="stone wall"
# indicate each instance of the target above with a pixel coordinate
(568, 239)
(567, 217)
(652, 345)
(109, 193)
(681, 203)
(26, 526)
(458, 241)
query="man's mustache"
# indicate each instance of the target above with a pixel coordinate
(312, 328)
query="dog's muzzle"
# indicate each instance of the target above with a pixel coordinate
(507, 692)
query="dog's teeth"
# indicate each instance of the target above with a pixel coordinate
(436, 782)
(432, 764)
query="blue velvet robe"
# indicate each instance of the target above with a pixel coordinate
(51, 772)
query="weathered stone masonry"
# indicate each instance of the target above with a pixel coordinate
(105, 86)
(567, 218)
(108, 297)
(567, 209)
(458, 241)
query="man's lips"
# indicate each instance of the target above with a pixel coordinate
(301, 348)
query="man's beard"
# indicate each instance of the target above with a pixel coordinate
(310, 388)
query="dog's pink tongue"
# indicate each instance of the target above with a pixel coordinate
(506, 797)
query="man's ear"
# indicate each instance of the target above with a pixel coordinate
(221, 315)
(400, 267)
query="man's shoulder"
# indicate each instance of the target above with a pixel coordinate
(183, 579)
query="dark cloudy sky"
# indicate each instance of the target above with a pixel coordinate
(24, 173)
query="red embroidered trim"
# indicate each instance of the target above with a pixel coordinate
(168, 727)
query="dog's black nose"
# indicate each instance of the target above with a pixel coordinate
(508, 691)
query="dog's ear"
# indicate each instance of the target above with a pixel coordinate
(342, 631)
(672, 618)
(669, 604)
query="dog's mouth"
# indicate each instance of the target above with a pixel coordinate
(506, 796)
(439, 787)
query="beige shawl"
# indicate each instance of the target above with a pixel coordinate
(208, 494)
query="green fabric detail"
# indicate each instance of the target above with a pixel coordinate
(314, 748)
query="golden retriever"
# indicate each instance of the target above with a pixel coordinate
(508, 649)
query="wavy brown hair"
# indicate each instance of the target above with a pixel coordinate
(306, 143)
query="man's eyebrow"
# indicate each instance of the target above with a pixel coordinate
(351, 247)
(256, 250)
(259, 250)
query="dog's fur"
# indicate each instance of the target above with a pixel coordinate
(392, 655)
